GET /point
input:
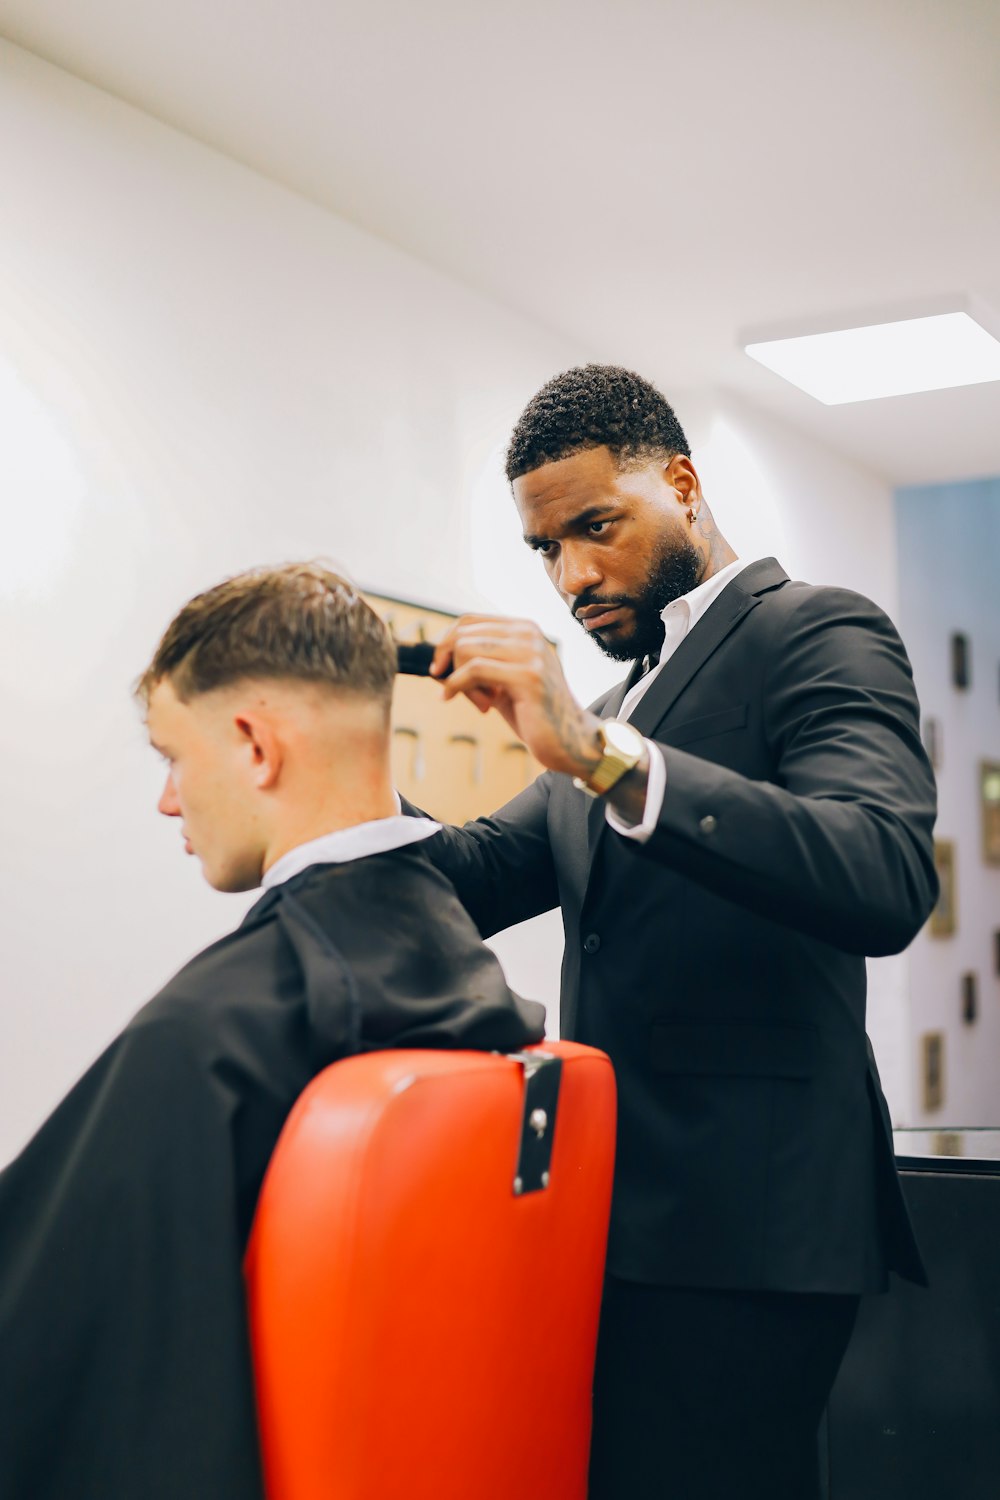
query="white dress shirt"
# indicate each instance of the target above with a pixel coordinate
(679, 617)
(376, 837)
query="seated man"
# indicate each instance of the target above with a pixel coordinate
(124, 1357)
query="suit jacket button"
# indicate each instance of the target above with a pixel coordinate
(708, 824)
(591, 942)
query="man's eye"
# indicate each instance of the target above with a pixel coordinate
(545, 548)
(596, 528)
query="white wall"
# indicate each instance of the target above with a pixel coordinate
(200, 371)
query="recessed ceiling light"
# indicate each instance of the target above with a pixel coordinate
(887, 356)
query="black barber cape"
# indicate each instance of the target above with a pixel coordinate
(124, 1356)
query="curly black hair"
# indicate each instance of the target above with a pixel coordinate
(594, 406)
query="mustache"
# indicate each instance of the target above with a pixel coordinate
(606, 601)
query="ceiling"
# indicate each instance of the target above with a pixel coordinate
(650, 177)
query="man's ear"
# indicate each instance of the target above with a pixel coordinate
(681, 475)
(264, 747)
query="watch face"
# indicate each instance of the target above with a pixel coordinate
(622, 739)
(622, 749)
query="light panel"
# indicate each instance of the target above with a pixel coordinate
(884, 359)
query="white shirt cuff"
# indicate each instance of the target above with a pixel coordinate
(656, 787)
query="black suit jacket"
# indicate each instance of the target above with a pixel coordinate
(722, 964)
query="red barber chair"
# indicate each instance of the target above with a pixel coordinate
(424, 1277)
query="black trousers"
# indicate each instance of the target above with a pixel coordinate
(712, 1395)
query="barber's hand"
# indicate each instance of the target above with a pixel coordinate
(510, 666)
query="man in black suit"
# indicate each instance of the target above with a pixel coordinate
(723, 861)
(124, 1350)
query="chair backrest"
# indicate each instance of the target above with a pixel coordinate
(423, 1324)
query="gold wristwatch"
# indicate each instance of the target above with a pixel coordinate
(621, 750)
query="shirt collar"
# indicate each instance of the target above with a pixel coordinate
(695, 603)
(376, 837)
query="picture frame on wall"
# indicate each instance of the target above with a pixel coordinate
(933, 741)
(970, 998)
(932, 1069)
(944, 919)
(989, 807)
(961, 660)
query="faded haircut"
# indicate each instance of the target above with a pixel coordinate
(300, 622)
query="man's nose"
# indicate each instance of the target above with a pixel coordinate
(578, 571)
(168, 804)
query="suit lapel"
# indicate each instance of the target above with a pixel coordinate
(723, 615)
(611, 707)
(736, 601)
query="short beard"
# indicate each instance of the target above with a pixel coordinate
(676, 569)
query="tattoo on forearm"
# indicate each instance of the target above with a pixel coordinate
(574, 731)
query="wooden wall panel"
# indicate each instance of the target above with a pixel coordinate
(452, 761)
